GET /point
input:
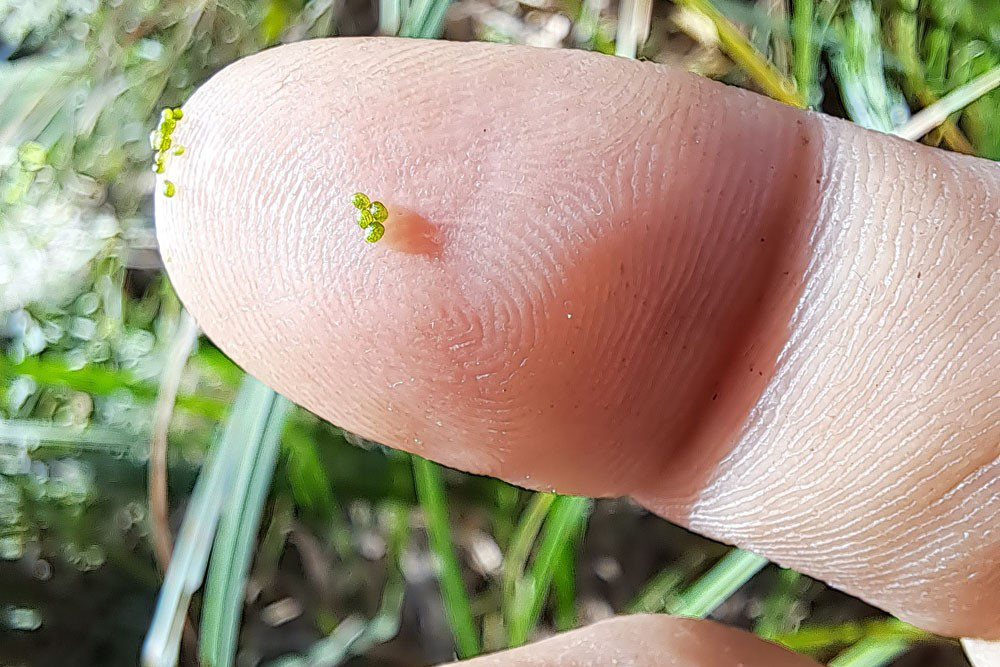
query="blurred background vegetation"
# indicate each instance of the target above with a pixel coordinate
(317, 548)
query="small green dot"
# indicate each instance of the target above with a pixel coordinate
(370, 215)
(32, 156)
(365, 219)
(177, 114)
(376, 232)
(360, 200)
(179, 150)
(167, 114)
(158, 166)
(168, 189)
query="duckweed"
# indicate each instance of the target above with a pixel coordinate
(161, 142)
(370, 215)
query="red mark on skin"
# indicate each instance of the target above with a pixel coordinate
(411, 233)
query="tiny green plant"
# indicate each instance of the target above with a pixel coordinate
(371, 216)
(161, 142)
(31, 158)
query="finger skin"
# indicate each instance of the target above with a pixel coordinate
(648, 641)
(611, 278)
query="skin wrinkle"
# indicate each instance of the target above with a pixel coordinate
(859, 335)
(765, 320)
(688, 286)
(854, 490)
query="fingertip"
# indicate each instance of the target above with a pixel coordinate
(573, 288)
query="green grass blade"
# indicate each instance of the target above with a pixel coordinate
(94, 438)
(424, 19)
(715, 586)
(937, 52)
(237, 535)
(565, 518)
(307, 479)
(564, 589)
(658, 593)
(194, 541)
(633, 27)
(774, 616)
(814, 638)
(770, 33)
(859, 69)
(980, 119)
(434, 23)
(871, 653)
(385, 624)
(415, 16)
(431, 494)
(331, 650)
(741, 51)
(354, 636)
(930, 117)
(804, 51)
(904, 31)
(661, 591)
(389, 14)
(103, 382)
(516, 558)
(507, 498)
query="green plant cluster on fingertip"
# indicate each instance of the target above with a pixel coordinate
(162, 143)
(371, 216)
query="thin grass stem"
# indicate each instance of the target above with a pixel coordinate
(871, 653)
(715, 586)
(431, 494)
(565, 517)
(803, 52)
(516, 558)
(930, 117)
(236, 539)
(735, 45)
